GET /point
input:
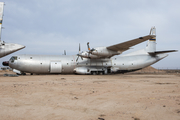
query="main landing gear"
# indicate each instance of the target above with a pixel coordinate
(97, 72)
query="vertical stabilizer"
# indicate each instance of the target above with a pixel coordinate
(1, 16)
(151, 46)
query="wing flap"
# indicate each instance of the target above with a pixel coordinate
(126, 45)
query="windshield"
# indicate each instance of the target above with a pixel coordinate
(13, 58)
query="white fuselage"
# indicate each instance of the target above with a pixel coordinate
(62, 64)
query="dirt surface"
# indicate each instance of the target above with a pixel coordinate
(149, 69)
(88, 97)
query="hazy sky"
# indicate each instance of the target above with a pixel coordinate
(52, 26)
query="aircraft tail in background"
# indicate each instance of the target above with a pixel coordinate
(1, 16)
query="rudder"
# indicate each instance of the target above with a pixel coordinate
(151, 46)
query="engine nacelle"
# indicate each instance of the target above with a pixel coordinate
(88, 55)
(103, 51)
(100, 52)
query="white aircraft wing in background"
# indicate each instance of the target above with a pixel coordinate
(7, 48)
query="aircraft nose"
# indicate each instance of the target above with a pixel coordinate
(5, 63)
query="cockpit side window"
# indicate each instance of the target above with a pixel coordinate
(13, 58)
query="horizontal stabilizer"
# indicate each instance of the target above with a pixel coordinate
(161, 52)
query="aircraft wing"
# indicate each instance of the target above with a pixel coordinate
(126, 45)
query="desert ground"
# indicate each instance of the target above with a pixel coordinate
(90, 97)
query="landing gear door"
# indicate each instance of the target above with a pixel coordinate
(55, 67)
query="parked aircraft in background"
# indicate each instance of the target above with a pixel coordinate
(6, 48)
(98, 60)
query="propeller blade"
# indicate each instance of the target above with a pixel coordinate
(79, 53)
(90, 50)
(79, 48)
(77, 58)
(81, 58)
(88, 46)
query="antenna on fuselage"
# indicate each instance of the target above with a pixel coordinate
(64, 52)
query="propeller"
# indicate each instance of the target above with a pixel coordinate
(79, 53)
(90, 50)
(88, 46)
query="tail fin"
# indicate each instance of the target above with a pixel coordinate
(151, 46)
(1, 16)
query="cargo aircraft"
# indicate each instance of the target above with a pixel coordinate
(100, 60)
(6, 48)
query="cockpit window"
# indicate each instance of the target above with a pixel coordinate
(13, 58)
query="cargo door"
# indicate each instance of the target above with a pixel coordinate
(55, 67)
